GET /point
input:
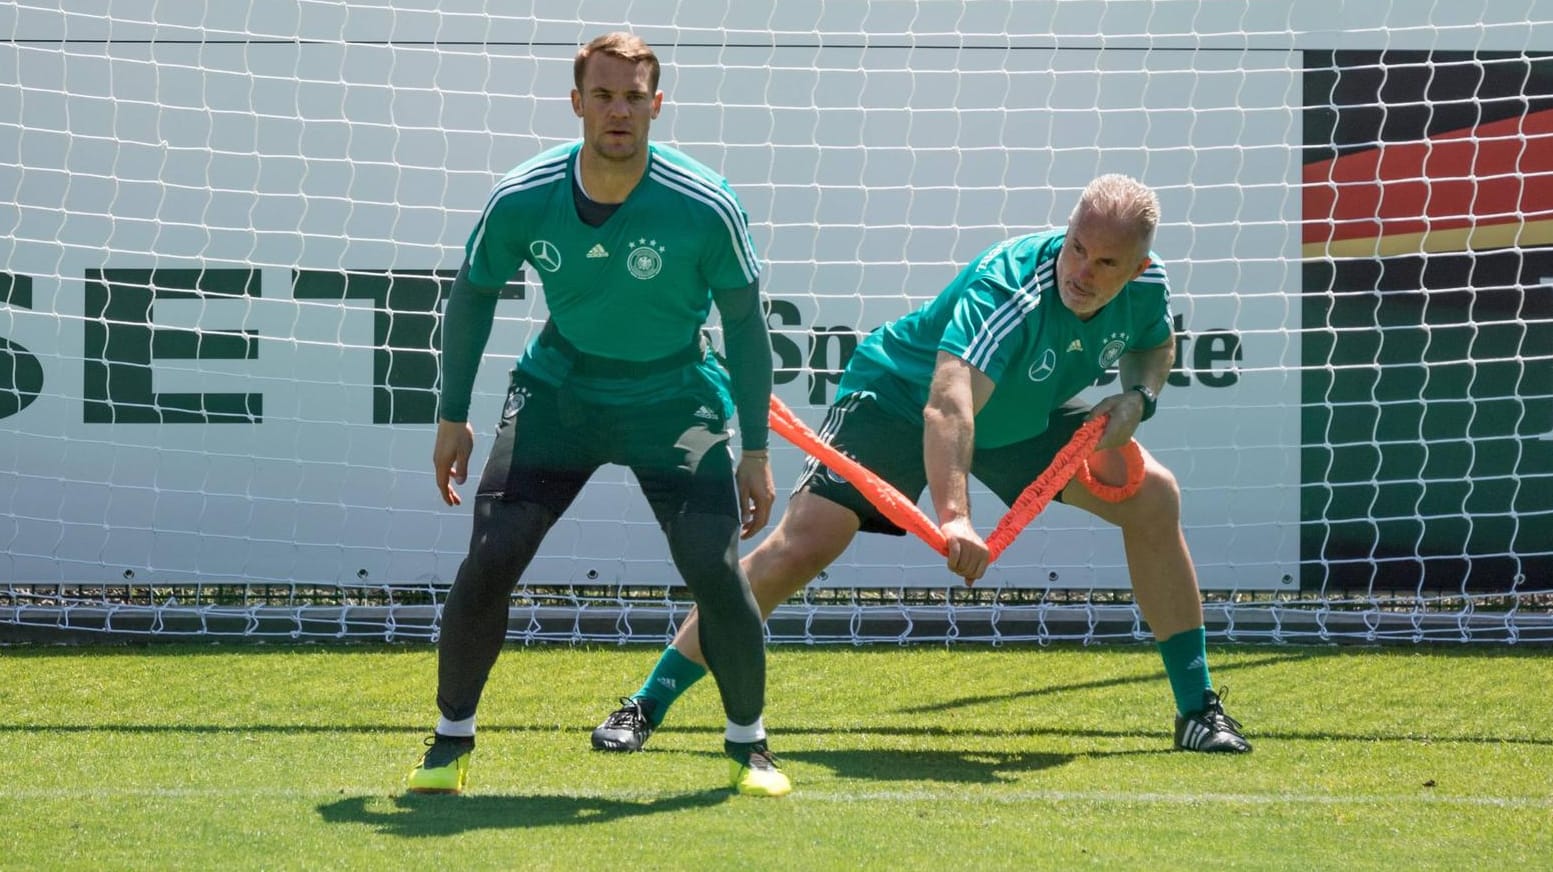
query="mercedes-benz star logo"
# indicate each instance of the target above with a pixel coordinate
(546, 256)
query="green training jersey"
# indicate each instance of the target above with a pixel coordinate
(639, 286)
(1003, 315)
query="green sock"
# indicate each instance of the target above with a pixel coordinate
(1186, 665)
(672, 676)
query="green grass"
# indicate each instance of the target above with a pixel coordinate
(919, 758)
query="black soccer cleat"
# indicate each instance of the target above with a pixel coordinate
(627, 728)
(1211, 730)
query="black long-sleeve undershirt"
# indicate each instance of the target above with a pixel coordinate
(747, 343)
(466, 327)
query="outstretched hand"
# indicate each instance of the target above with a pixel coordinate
(450, 457)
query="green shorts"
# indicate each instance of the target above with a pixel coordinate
(891, 447)
(549, 443)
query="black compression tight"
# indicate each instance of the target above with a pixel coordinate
(705, 549)
(505, 538)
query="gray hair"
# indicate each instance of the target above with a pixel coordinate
(1123, 199)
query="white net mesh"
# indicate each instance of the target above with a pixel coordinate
(229, 227)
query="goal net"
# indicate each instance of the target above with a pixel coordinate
(229, 230)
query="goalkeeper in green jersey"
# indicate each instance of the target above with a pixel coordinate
(634, 242)
(984, 380)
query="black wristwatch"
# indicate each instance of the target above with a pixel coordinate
(1150, 400)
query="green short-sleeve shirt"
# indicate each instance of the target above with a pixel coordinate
(638, 287)
(1003, 315)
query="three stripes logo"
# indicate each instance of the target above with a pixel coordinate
(1195, 734)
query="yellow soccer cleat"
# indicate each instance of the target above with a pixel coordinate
(444, 768)
(759, 774)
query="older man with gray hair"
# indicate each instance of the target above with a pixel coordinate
(984, 380)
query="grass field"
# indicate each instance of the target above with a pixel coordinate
(965, 758)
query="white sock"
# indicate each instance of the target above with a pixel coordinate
(746, 733)
(463, 729)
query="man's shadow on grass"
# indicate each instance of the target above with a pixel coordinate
(944, 766)
(955, 767)
(414, 816)
(1095, 684)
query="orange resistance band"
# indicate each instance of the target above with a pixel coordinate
(1071, 461)
(889, 501)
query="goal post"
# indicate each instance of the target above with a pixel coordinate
(229, 230)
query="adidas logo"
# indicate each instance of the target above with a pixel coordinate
(1075, 345)
(1196, 735)
(668, 682)
(597, 251)
(1197, 663)
(705, 413)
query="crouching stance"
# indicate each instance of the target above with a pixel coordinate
(983, 381)
(634, 243)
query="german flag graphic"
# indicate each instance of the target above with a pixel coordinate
(1427, 342)
(1475, 189)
